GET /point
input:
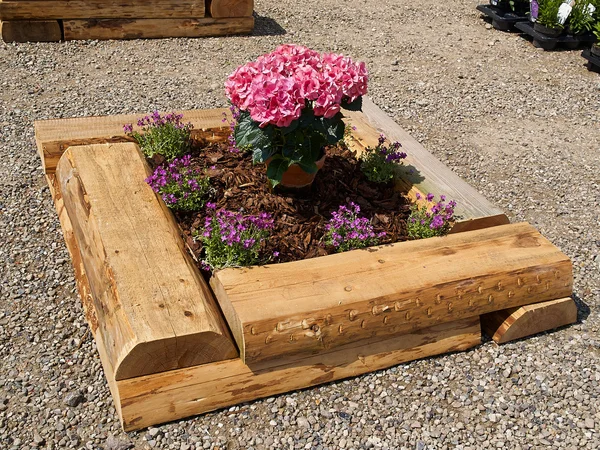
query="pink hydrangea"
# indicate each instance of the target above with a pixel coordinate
(276, 87)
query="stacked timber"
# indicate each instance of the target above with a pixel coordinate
(55, 20)
(172, 347)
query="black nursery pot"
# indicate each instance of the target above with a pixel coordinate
(551, 32)
(595, 50)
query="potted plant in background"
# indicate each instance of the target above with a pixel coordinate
(581, 18)
(287, 108)
(548, 22)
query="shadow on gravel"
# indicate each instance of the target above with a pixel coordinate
(265, 26)
(583, 310)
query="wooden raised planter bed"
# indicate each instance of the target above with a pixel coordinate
(172, 347)
(59, 20)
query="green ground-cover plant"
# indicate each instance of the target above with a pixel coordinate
(165, 135)
(379, 163)
(430, 219)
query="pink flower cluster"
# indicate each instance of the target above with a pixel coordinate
(276, 87)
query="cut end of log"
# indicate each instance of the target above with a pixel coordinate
(516, 323)
(182, 351)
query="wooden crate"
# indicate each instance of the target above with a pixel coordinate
(171, 347)
(55, 20)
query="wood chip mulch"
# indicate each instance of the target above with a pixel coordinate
(300, 216)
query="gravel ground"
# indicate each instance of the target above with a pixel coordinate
(518, 123)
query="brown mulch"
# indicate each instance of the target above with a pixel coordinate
(300, 216)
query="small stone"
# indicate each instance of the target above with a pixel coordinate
(114, 443)
(273, 423)
(73, 399)
(507, 372)
(488, 26)
(153, 431)
(38, 439)
(589, 423)
(303, 422)
(415, 424)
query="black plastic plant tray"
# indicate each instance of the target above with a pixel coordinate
(549, 43)
(502, 20)
(593, 60)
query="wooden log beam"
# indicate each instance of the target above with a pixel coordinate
(155, 28)
(54, 136)
(422, 172)
(172, 395)
(181, 393)
(307, 307)
(515, 323)
(100, 9)
(151, 308)
(231, 8)
(31, 31)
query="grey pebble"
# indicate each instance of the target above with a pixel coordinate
(73, 399)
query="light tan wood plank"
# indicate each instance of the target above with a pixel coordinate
(154, 311)
(318, 304)
(55, 135)
(31, 31)
(181, 393)
(515, 323)
(83, 287)
(100, 9)
(422, 172)
(231, 8)
(156, 28)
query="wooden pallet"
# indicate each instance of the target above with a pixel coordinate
(56, 20)
(169, 344)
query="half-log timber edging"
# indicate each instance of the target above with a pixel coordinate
(281, 310)
(176, 393)
(56, 20)
(153, 310)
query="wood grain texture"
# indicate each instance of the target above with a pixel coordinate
(83, 287)
(167, 396)
(100, 9)
(422, 172)
(31, 31)
(155, 28)
(154, 312)
(307, 307)
(181, 393)
(515, 323)
(54, 136)
(231, 8)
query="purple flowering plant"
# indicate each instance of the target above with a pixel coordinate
(231, 239)
(379, 163)
(346, 230)
(431, 219)
(163, 135)
(181, 187)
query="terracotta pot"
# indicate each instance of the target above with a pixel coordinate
(295, 177)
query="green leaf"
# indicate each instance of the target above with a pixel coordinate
(292, 127)
(277, 167)
(260, 155)
(356, 105)
(308, 166)
(248, 134)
